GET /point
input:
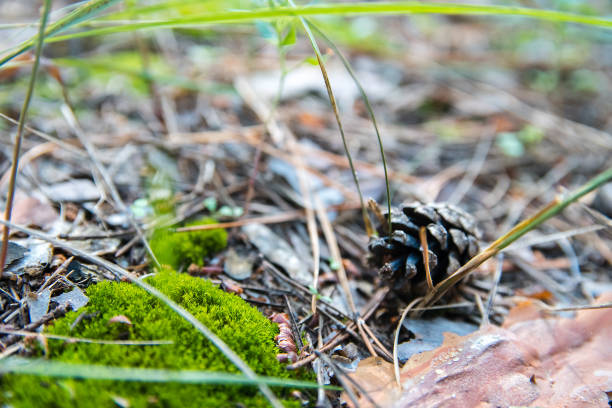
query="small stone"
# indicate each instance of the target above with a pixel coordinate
(351, 351)
(238, 266)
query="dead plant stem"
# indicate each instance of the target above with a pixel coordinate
(396, 339)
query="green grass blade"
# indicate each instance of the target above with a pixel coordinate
(554, 209)
(366, 100)
(178, 7)
(332, 101)
(382, 8)
(81, 14)
(57, 369)
(344, 9)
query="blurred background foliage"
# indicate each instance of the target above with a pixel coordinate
(566, 66)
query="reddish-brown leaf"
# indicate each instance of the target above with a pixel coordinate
(533, 360)
(28, 210)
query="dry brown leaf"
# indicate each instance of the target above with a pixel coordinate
(536, 292)
(376, 378)
(28, 210)
(533, 360)
(10, 72)
(312, 121)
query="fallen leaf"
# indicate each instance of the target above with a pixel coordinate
(10, 73)
(231, 286)
(533, 360)
(536, 292)
(311, 120)
(375, 378)
(99, 246)
(28, 210)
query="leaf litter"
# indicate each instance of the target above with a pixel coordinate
(203, 147)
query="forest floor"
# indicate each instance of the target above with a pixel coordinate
(498, 117)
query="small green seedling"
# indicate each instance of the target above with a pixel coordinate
(210, 203)
(514, 144)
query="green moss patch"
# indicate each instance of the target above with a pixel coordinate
(242, 327)
(178, 249)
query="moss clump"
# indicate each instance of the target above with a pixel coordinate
(184, 248)
(242, 327)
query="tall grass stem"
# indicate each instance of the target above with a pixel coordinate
(17, 146)
(366, 101)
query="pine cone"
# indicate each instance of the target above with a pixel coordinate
(451, 240)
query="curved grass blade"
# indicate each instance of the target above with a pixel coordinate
(180, 7)
(332, 101)
(58, 369)
(366, 100)
(377, 8)
(17, 146)
(82, 13)
(343, 9)
(551, 209)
